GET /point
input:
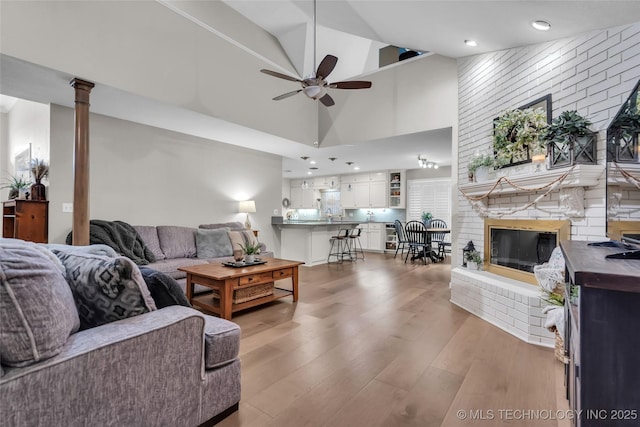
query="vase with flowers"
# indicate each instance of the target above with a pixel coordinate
(39, 170)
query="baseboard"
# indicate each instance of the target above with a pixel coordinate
(221, 416)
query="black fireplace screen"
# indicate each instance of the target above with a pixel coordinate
(521, 249)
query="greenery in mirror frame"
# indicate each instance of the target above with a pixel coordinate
(569, 140)
(516, 135)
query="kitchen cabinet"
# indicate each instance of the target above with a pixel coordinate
(397, 185)
(601, 336)
(371, 236)
(326, 182)
(26, 220)
(363, 195)
(302, 198)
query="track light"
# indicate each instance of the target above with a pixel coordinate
(424, 163)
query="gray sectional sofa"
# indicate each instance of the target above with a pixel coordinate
(173, 366)
(175, 247)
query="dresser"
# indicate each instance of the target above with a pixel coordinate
(26, 220)
(602, 337)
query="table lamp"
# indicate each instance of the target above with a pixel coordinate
(248, 206)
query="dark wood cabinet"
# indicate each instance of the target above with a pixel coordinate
(26, 220)
(602, 337)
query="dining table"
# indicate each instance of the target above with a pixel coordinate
(433, 255)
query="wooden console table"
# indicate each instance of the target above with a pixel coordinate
(602, 321)
(225, 280)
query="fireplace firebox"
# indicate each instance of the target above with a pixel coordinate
(513, 247)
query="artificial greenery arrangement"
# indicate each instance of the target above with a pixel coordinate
(15, 185)
(566, 128)
(517, 135)
(250, 248)
(39, 169)
(473, 256)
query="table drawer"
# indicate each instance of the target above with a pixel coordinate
(255, 279)
(283, 274)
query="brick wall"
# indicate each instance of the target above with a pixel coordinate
(593, 74)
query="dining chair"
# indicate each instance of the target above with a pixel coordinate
(400, 236)
(416, 233)
(444, 246)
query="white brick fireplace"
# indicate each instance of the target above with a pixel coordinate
(592, 74)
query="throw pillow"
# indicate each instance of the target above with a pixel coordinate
(149, 235)
(164, 289)
(242, 238)
(213, 243)
(105, 289)
(37, 312)
(177, 242)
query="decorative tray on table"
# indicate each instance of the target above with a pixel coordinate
(243, 263)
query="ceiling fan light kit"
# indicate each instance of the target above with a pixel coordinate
(316, 86)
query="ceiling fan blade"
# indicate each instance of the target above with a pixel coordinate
(354, 84)
(280, 75)
(326, 66)
(286, 95)
(327, 100)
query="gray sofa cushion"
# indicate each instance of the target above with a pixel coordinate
(105, 289)
(222, 340)
(149, 234)
(235, 226)
(37, 312)
(170, 266)
(177, 242)
(213, 243)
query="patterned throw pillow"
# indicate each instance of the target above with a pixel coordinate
(105, 289)
(37, 312)
(242, 237)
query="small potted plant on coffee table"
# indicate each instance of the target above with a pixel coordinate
(250, 251)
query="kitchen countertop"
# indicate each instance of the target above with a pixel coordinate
(313, 223)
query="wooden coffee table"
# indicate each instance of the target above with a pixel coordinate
(228, 279)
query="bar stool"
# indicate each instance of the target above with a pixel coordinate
(339, 246)
(354, 242)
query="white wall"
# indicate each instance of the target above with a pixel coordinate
(592, 73)
(147, 49)
(26, 124)
(149, 176)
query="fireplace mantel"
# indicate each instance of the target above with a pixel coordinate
(580, 176)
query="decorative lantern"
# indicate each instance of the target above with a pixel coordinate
(469, 248)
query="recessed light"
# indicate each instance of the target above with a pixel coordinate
(356, 168)
(313, 162)
(471, 43)
(309, 173)
(541, 25)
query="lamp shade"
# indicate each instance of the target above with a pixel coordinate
(248, 206)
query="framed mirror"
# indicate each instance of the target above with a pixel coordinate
(623, 171)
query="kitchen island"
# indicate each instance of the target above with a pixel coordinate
(308, 241)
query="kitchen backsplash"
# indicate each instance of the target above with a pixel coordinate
(378, 215)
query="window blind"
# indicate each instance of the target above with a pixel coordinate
(429, 195)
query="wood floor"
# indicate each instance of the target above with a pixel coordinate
(377, 343)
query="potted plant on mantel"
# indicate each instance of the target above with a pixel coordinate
(569, 140)
(516, 135)
(479, 167)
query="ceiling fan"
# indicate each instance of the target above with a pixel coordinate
(316, 85)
